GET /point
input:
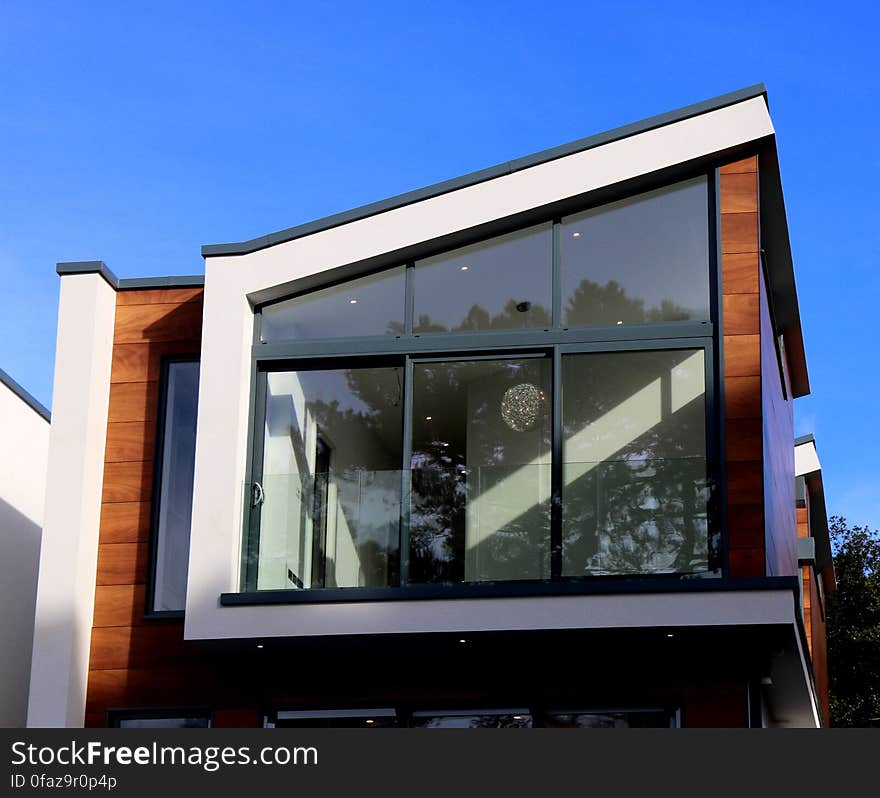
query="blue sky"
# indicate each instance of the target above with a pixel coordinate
(135, 133)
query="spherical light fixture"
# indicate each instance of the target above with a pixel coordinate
(521, 406)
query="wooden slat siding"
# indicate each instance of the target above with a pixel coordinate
(128, 482)
(142, 362)
(129, 441)
(150, 324)
(132, 401)
(157, 322)
(819, 649)
(807, 594)
(122, 563)
(777, 414)
(125, 522)
(740, 287)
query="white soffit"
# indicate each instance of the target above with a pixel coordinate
(806, 459)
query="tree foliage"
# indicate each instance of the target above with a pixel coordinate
(854, 626)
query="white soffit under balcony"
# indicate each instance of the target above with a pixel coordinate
(806, 459)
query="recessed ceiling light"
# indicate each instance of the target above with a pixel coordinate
(620, 322)
(464, 268)
(517, 717)
(370, 721)
(428, 418)
(352, 302)
(670, 635)
(575, 235)
(462, 640)
(444, 444)
(259, 645)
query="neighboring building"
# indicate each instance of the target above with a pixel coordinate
(24, 451)
(513, 449)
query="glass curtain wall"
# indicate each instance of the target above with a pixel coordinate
(422, 452)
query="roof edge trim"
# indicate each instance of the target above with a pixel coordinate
(473, 178)
(25, 396)
(127, 283)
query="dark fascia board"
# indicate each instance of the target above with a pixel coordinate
(127, 283)
(776, 249)
(509, 167)
(808, 438)
(35, 405)
(819, 522)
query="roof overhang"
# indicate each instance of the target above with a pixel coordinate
(774, 227)
(808, 483)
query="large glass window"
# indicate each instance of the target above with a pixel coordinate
(331, 478)
(473, 719)
(499, 284)
(174, 485)
(480, 462)
(477, 436)
(644, 259)
(372, 305)
(634, 462)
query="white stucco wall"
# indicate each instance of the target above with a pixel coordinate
(68, 561)
(24, 448)
(227, 338)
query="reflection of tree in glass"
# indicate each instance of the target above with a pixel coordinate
(592, 303)
(516, 314)
(365, 469)
(643, 508)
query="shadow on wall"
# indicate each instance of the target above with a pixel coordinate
(19, 566)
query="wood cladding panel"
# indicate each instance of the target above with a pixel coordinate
(741, 314)
(125, 522)
(142, 362)
(741, 273)
(742, 356)
(746, 525)
(133, 401)
(739, 232)
(119, 605)
(128, 482)
(744, 439)
(122, 564)
(742, 397)
(739, 192)
(158, 322)
(130, 440)
(136, 661)
(777, 414)
(749, 164)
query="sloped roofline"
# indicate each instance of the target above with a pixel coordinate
(473, 178)
(38, 407)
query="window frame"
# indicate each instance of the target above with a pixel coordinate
(553, 342)
(156, 499)
(117, 714)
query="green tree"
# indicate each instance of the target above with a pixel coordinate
(854, 626)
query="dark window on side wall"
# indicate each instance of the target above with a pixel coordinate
(175, 463)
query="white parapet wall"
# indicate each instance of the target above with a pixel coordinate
(68, 562)
(24, 449)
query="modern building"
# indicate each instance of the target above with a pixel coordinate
(513, 449)
(24, 452)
